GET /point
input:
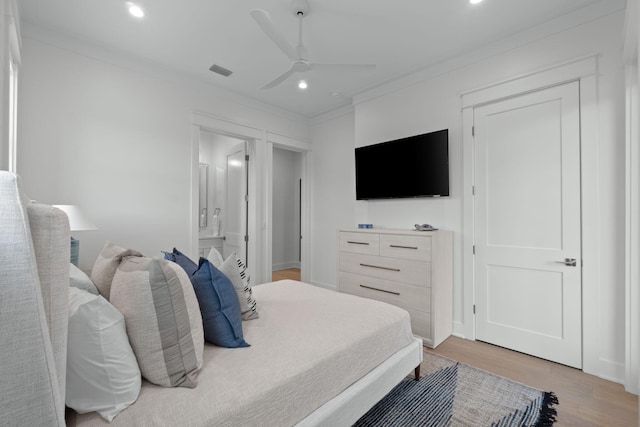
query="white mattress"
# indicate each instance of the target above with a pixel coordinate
(308, 345)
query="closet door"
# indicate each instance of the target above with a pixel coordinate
(527, 224)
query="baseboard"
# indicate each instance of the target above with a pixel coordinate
(285, 265)
(612, 371)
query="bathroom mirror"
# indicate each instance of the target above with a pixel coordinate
(204, 190)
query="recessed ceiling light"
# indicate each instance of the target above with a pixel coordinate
(474, 1)
(135, 10)
(302, 84)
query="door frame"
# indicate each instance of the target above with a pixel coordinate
(584, 71)
(304, 148)
(555, 112)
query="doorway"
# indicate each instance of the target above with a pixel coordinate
(286, 214)
(260, 143)
(528, 224)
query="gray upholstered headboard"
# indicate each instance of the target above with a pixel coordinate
(34, 293)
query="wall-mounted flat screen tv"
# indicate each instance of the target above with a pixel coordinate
(417, 166)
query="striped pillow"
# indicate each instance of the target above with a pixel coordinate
(246, 287)
(236, 271)
(163, 319)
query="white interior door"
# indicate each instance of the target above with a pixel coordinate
(235, 239)
(527, 223)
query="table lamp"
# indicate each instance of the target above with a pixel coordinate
(78, 221)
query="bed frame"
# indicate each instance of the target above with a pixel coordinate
(347, 407)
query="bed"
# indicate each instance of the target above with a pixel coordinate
(317, 357)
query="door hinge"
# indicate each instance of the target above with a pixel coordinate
(473, 131)
(246, 238)
(246, 157)
(474, 309)
(246, 197)
(474, 249)
(473, 190)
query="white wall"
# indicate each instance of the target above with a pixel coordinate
(333, 194)
(117, 142)
(435, 104)
(286, 219)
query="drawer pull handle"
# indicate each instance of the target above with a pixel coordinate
(357, 243)
(381, 268)
(380, 290)
(404, 247)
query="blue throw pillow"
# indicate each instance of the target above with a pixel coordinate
(182, 260)
(219, 306)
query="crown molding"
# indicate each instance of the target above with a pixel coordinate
(587, 14)
(332, 114)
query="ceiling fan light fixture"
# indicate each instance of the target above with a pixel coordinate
(302, 84)
(298, 55)
(135, 10)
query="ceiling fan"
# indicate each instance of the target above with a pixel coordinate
(298, 55)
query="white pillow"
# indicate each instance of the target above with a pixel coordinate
(237, 273)
(102, 371)
(78, 279)
(215, 257)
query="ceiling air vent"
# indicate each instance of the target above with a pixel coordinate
(220, 70)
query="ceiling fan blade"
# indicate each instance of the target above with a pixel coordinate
(342, 66)
(282, 77)
(264, 21)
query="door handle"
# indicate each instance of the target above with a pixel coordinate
(571, 262)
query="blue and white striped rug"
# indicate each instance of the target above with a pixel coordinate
(454, 394)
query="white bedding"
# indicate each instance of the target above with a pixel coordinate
(308, 345)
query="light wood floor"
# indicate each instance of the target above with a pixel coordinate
(585, 400)
(289, 273)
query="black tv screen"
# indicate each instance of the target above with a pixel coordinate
(417, 166)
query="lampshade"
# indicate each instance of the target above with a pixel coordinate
(78, 221)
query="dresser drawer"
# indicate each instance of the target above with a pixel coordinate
(360, 243)
(408, 247)
(400, 294)
(395, 269)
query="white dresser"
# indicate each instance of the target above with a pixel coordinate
(411, 269)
